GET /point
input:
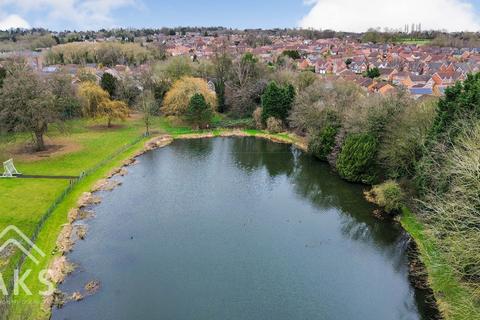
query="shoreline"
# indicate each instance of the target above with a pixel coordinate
(60, 267)
(61, 264)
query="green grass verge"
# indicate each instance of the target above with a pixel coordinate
(454, 299)
(47, 238)
(287, 137)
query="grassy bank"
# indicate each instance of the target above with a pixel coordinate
(454, 300)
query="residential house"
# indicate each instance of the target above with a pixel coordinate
(386, 74)
(420, 90)
(383, 88)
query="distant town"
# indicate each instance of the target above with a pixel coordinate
(420, 67)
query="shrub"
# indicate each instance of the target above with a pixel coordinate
(321, 145)
(257, 117)
(403, 143)
(178, 98)
(356, 161)
(321, 103)
(246, 123)
(274, 125)
(388, 195)
(373, 73)
(454, 213)
(294, 54)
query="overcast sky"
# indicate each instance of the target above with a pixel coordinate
(345, 15)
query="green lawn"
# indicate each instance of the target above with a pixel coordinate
(24, 200)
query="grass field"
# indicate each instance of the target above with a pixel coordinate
(415, 41)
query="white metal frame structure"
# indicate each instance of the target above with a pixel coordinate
(9, 169)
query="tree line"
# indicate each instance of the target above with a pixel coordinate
(105, 53)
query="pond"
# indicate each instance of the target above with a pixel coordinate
(239, 228)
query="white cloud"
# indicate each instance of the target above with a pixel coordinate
(13, 21)
(69, 14)
(358, 16)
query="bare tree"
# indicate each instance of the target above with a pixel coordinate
(245, 85)
(222, 66)
(146, 105)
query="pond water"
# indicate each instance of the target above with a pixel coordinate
(239, 228)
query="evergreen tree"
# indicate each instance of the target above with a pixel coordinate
(277, 101)
(199, 112)
(373, 73)
(109, 84)
(294, 54)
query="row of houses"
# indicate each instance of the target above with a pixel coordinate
(423, 70)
